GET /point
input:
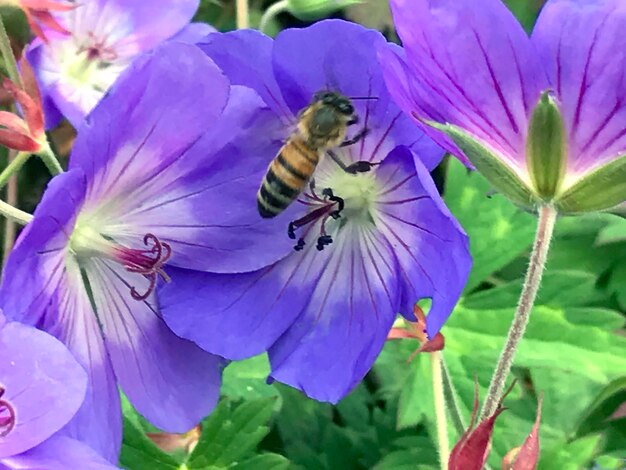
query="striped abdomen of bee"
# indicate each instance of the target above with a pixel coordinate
(287, 176)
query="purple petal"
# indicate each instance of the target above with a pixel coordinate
(431, 247)
(474, 66)
(58, 453)
(342, 56)
(245, 56)
(170, 381)
(42, 382)
(204, 203)
(350, 309)
(168, 98)
(193, 33)
(34, 54)
(582, 46)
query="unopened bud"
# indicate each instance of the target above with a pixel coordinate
(311, 10)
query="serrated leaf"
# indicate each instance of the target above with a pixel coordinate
(140, 453)
(570, 455)
(231, 433)
(499, 232)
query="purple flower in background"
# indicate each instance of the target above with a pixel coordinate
(324, 315)
(133, 201)
(41, 388)
(544, 118)
(104, 37)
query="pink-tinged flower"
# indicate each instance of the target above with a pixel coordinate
(104, 37)
(417, 330)
(542, 117)
(23, 133)
(39, 14)
(41, 388)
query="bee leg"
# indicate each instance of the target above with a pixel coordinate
(359, 136)
(331, 197)
(353, 121)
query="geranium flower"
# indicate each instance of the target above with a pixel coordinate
(543, 118)
(41, 388)
(324, 315)
(131, 204)
(104, 37)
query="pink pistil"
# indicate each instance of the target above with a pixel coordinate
(97, 50)
(7, 416)
(149, 263)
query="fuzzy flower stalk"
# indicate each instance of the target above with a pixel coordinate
(323, 310)
(140, 198)
(543, 118)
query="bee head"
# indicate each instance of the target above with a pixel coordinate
(336, 100)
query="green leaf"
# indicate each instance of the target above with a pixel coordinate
(605, 404)
(140, 453)
(248, 379)
(264, 462)
(599, 190)
(231, 433)
(499, 232)
(613, 232)
(571, 455)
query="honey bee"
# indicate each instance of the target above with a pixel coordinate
(322, 126)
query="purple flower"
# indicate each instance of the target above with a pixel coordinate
(544, 118)
(41, 388)
(105, 36)
(324, 315)
(141, 195)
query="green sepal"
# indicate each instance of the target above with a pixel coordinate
(601, 189)
(312, 10)
(500, 176)
(546, 148)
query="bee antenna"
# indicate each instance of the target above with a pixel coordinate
(364, 97)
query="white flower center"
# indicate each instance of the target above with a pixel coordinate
(359, 193)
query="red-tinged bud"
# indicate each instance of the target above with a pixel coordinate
(39, 15)
(526, 456)
(472, 450)
(25, 134)
(417, 330)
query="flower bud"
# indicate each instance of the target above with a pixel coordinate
(311, 10)
(546, 148)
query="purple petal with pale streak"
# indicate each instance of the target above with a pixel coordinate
(34, 54)
(350, 309)
(35, 266)
(58, 453)
(193, 33)
(204, 203)
(477, 68)
(170, 381)
(42, 382)
(168, 98)
(130, 26)
(3, 319)
(43, 286)
(582, 45)
(432, 248)
(342, 56)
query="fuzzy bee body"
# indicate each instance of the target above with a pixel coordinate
(322, 126)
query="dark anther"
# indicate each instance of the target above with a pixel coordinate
(360, 167)
(7, 416)
(336, 199)
(323, 241)
(300, 245)
(291, 231)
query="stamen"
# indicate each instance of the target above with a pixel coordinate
(7, 416)
(149, 263)
(332, 207)
(97, 50)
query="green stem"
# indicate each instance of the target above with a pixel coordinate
(7, 54)
(452, 402)
(440, 410)
(13, 167)
(50, 160)
(536, 267)
(15, 214)
(273, 11)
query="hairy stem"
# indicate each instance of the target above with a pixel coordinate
(273, 11)
(545, 228)
(7, 53)
(243, 14)
(50, 160)
(15, 164)
(440, 410)
(15, 214)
